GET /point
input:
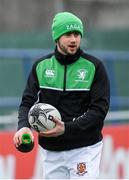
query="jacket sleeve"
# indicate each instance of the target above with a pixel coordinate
(98, 106)
(30, 96)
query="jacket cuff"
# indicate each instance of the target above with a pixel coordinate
(70, 127)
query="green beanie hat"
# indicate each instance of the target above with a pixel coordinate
(65, 22)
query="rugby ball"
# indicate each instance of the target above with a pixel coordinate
(41, 116)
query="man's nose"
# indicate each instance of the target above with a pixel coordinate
(73, 37)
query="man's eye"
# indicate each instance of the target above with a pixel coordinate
(68, 34)
(76, 33)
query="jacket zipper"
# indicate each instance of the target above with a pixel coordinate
(64, 85)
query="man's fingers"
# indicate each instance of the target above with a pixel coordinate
(47, 133)
(56, 131)
(57, 120)
(17, 140)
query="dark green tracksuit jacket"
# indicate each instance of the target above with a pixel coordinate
(78, 86)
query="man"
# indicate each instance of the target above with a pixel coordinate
(75, 83)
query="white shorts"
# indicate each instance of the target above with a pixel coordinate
(80, 163)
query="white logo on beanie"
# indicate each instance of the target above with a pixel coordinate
(73, 27)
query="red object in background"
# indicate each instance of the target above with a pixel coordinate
(120, 134)
(24, 165)
(115, 154)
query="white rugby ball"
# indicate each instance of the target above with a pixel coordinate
(41, 116)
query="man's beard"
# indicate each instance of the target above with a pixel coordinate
(65, 50)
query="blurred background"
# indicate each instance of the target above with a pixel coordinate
(25, 35)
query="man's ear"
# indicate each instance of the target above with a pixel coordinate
(56, 41)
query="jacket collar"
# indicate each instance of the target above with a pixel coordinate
(67, 59)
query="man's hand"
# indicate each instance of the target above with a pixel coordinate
(57, 131)
(17, 139)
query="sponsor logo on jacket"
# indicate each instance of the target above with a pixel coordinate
(49, 73)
